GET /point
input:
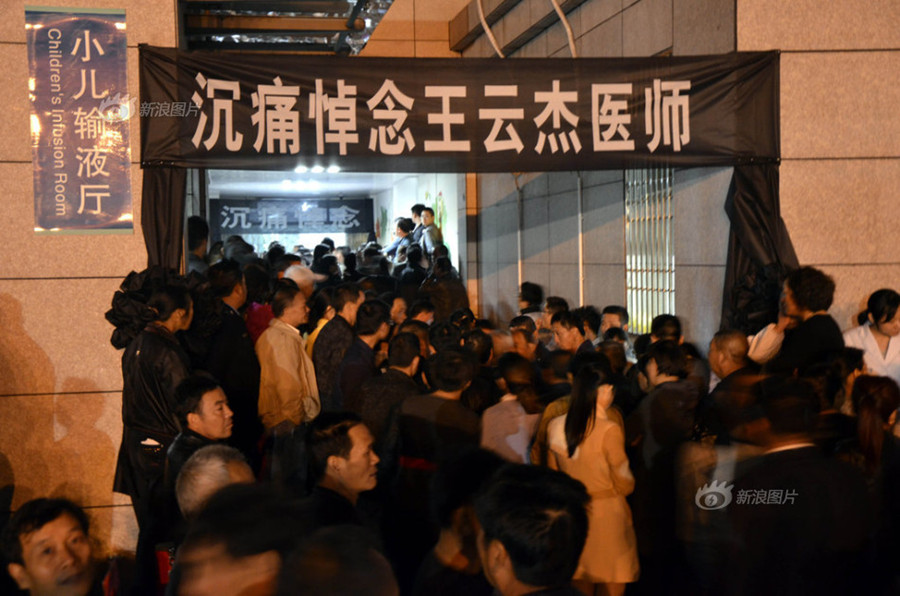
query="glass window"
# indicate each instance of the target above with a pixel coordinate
(649, 246)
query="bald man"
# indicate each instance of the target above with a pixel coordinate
(728, 353)
(732, 401)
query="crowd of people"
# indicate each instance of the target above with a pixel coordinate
(342, 423)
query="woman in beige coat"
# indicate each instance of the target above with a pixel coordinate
(589, 446)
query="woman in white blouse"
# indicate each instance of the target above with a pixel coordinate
(877, 334)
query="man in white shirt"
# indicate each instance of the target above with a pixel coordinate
(507, 428)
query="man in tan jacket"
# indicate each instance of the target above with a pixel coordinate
(288, 395)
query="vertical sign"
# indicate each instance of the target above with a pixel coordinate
(80, 116)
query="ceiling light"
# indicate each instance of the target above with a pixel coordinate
(333, 169)
(317, 169)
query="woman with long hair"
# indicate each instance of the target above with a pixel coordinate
(875, 402)
(320, 312)
(587, 445)
(877, 334)
(833, 380)
(875, 451)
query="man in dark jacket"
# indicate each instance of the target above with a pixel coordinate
(423, 431)
(344, 464)
(379, 394)
(803, 518)
(416, 215)
(361, 361)
(413, 273)
(533, 526)
(334, 340)
(661, 423)
(232, 360)
(733, 398)
(205, 417)
(446, 292)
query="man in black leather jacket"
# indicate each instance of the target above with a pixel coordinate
(205, 419)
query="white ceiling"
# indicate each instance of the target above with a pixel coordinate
(255, 183)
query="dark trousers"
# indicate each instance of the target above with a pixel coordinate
(285, 462)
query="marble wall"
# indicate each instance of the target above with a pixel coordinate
(60, 378)
(414, 29)
(840, 135)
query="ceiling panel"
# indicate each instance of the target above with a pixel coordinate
(303, 26)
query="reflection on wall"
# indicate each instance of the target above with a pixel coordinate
(549, 224)
(60, 427)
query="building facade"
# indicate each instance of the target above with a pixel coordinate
(60, 378)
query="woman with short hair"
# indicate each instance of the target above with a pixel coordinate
(877, 334)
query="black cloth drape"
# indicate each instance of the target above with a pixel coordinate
(760, 252)
(162, 215)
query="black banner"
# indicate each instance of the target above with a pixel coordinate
(290, 216)
(255, 111)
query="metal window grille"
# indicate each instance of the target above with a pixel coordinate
(649, 246)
